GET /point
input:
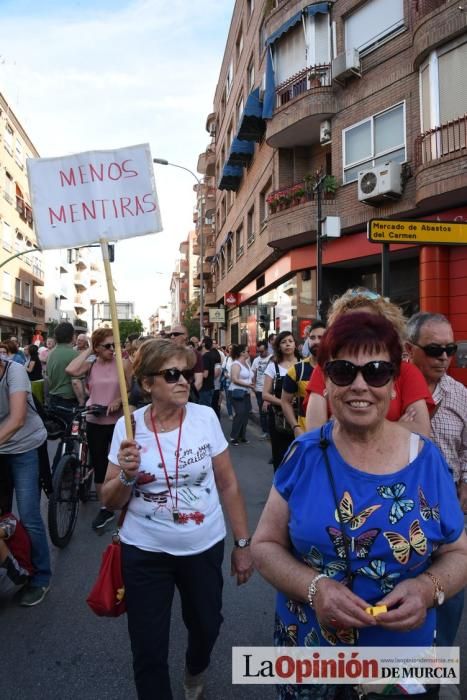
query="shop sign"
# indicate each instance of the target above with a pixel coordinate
(216, 315)
(409, 231)
(303, 325)
(231, 299)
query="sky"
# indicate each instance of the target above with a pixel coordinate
(98, 74)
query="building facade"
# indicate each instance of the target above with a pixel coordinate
(342, 109)
(22, 305)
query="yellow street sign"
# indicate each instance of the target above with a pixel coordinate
(409, 231)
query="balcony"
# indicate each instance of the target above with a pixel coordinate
(206, 269)
(79, 303)
(293, 215)
(207, 161)
(441, 162)
(80, 281)
(302, 103)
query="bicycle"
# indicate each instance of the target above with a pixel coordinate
(72, 477)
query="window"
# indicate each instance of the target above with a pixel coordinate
(8, 192)
(372, 22)
(239, 45)
(373, 141)
(263, 205)
(17, 291)
(8, 139)
(229, 81)
(7, 286)
(27, 294)
(239, 242)
(6, 236)
(251, 226)
(240, 106)
(250, 5)
(443, 85)
(19, 157)
(229, 254)
(251, 75)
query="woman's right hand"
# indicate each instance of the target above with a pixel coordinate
(337, 607)
(129, 458)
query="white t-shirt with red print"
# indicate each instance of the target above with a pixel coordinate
(149, 523)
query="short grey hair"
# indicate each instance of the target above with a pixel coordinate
(417, 321)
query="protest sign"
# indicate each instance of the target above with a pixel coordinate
(81, 198)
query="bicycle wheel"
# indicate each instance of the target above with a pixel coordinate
(64, 501)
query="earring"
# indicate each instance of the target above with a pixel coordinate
(325, 393)
(393, 394)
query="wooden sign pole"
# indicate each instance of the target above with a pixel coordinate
(116, 334)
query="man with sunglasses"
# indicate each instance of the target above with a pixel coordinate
(179, 336)
(431, 348)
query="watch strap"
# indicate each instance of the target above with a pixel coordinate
(242, 542)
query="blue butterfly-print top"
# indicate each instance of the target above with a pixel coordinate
(393, 523)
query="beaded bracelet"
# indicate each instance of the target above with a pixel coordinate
(126, 482)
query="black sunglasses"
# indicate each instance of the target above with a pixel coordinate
(175, 334)
(376, 373)
(173, 375)
(435, 350)
(108, 346)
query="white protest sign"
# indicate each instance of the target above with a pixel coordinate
(79, 199)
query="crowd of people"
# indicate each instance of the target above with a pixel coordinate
(362, 412)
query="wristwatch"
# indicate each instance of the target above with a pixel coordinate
(438, 593)
(242, 542)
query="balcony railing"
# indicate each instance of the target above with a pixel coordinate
(306, 80)
(437, 143)
(291, 196)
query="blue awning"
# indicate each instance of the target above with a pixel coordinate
(231, 177)
(252, 124)
(291, 22)
(270, 90)
(321, 8)
(241, 152)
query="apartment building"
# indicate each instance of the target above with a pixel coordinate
(22, 307)
(346, 109)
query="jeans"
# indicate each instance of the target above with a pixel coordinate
(228, 399)
(242, 408)
(448, 618)
(205, 397)
(150, 580)
(215, 405)
(25, 474)
(263, 417)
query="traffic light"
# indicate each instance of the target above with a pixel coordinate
(111, 252)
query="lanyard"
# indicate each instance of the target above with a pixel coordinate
(175, 511)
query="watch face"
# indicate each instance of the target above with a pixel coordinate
(440, 597)
(242, 542)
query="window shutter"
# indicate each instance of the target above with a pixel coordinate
(452, 85)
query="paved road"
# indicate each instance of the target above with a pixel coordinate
(60, 650)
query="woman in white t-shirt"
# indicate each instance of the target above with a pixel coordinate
(285, 355)
(171, 476)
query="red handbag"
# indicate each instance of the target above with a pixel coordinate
(107, 597)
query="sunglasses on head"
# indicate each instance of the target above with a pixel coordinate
(376, 373)
(108, 346)
(172, 375)
(435, 350)
(175, 334)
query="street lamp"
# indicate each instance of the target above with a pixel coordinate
(162, 161)
(318, 188)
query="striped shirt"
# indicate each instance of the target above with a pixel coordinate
(449, 424)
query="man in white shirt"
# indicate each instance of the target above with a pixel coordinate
(260, 363)
(431, 348)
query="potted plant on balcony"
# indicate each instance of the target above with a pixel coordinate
(328, 187)
(285, 199)
(299, 194)
(272, 203)
(315, 79)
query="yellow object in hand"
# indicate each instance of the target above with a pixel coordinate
(376, 610)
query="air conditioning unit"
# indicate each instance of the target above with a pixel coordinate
(380, 183)
(325, 132)
(346, 65)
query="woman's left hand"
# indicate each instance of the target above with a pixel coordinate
(241, 564)
(407, 605)
(114, 406)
